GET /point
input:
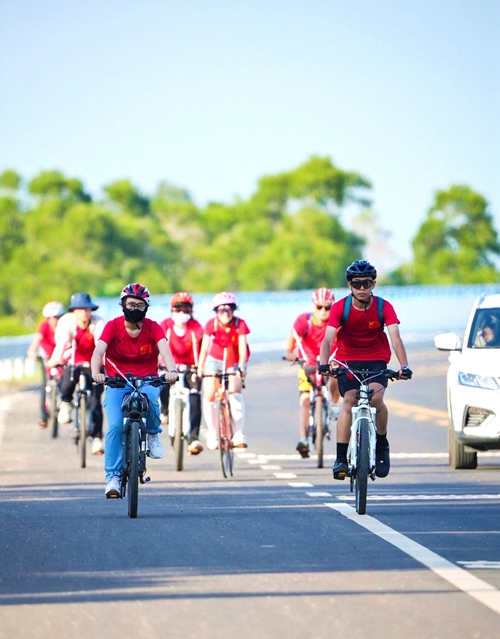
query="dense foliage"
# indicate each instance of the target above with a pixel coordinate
(56, 239)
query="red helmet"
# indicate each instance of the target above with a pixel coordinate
(135, 290)
(323, 296)
(181, 298)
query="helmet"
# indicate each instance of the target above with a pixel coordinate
(360, 268)
(181, 298)
(81, 300)
(223, 298)
(323, 296)
(135, 290)
(53, 309)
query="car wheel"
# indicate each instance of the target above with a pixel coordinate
(459, 457)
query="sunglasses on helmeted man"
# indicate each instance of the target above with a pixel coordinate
(326, 307)
(359, 284)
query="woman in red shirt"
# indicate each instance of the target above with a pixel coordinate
(130, 344)
(225, 337)
(184, 335)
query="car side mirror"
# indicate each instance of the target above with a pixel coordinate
(448, 342)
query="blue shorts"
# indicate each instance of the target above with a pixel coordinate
(213, 365)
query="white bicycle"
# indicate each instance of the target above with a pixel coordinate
(178, 411)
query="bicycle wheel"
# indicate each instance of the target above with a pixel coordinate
(225, 440)
(52, 423)
(178, 435)
(133, 470)
(319, 422)
(363, 469)
(81, 422)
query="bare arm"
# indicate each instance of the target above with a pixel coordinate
(96, 361)
(168, 360)
(33, 349)
(290, 346)
(397, 344)
(242, 354)
(326, 344)
(205, 345)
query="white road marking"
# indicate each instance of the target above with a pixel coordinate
(471, 585)
(285, 475)
(257, 461)
(319, 494)
(480, 564)
(296, 456)
(467, 497)
(300, 484)
(4, 409)
(243, 455)
(271, 467)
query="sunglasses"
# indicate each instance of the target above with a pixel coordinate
(225, 309)
(326, 308)
(359, 284)
(182, 309)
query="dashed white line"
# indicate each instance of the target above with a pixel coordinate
(300, 484)
(285, 475)
(471, 585)
(423, 497)
(271, 467)
(319, 494)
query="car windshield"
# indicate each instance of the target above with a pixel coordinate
(485, 331)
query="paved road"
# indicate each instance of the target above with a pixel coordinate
(274, 552)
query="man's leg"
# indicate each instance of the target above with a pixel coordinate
(382, 451)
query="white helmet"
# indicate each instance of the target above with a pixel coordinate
(53, 309)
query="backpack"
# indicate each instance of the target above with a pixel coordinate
(309, 324)
(347, 308)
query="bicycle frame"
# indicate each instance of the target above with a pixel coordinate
(363, 410)
(319, 398)
(178, 391)
(82, 395)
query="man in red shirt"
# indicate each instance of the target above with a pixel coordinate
(304, 341)
(362, 344)
(184, 335)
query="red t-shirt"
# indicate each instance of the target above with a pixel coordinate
(47, 343)
(311, 335)
(182, 347)
(226, 337)
(84, 345)
(362, 338)
(136, 355)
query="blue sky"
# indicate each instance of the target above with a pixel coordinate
(211, 95)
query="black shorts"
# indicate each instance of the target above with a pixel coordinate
(347, 382)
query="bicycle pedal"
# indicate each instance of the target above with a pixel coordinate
(113, 496)
(372, 476)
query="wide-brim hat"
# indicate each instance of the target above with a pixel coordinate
(81, 300)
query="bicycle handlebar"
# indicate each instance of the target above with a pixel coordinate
(120, 382)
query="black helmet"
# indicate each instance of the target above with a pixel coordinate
(360, 268)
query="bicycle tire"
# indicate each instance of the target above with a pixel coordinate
(363, 468)
(53, 412)
(319, 419)
(133, 469)
(178, 435)
(225, 441)
(82, 430)
(230, 447)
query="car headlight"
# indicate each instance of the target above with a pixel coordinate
(478, 381)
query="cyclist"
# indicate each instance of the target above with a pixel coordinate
(130, 344)
(76, 335)
(43, 345)
(304, 341)
(362, 344)
(225, 334)
(184, 335)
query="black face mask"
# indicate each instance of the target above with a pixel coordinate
(135, 316)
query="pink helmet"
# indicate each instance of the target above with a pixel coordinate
(223, 298)
(135, 290)
(323, 296)
(53, 309)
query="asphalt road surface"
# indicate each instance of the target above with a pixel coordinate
(277, 551)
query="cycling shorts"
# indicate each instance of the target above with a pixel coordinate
(213, 365)
(304, 383)
(347, 382)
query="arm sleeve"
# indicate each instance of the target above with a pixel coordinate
(390, 316)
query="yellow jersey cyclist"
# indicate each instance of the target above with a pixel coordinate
(304, 341)
(362, 344)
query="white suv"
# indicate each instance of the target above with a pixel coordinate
(473, 383)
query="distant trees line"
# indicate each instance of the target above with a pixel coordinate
(56, 239)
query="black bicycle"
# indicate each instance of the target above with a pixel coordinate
(81, 402)
(135, 406)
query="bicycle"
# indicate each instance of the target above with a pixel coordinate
(50, 397)
(224, 422)
(178, 410)
(81, 404)
(362, 443)
(135, 406)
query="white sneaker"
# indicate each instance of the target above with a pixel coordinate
(155, 447)
(239, 440)
(195, 447)
(64, 416)
(113, 487)
(97, 446)
(163, 419)
(212, 442)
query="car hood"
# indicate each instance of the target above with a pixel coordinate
(479, 361)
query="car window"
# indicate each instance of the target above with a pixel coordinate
(485, 331)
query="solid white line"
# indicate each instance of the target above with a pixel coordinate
(480, 590)
(300, 484)
(423, 497)
(393, 456)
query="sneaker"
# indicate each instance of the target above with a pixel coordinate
(42, 423)
(340, 469)
(155, 447)
(382, 461)
(97, 446)
(239, 440)
(113, 487)
(303, 448)
(212, 442)
(164, 420)
(64, 416)
(195, 447)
